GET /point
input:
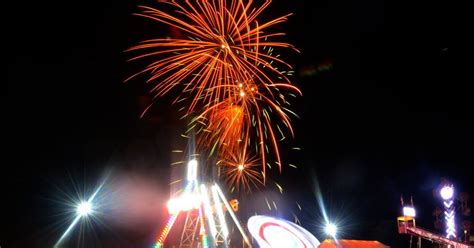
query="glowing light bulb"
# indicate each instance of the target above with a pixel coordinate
(331, 229)
(84, 208)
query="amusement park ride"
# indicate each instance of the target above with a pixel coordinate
(407, 224)
(205, 207)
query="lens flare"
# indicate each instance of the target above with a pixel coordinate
(84, 208)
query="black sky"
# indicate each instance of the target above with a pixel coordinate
(391, 116)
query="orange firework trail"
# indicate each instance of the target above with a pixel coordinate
(223, 48)
(230, 124)
(227, 71)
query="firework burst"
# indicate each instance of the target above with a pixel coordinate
(241, 172)
(223, 48)
(224, 64)
(249, 117)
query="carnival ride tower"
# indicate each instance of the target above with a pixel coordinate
(206, 209)
(407, 225)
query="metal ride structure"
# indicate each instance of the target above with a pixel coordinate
(206, 209)
(407, 225)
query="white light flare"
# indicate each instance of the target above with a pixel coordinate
(83, 209)
(74, 222)
(331, 230)
(184, 203)
(409, 211)
(192, 170)
(447, 192)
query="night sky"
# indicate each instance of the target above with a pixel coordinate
(386, 111)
